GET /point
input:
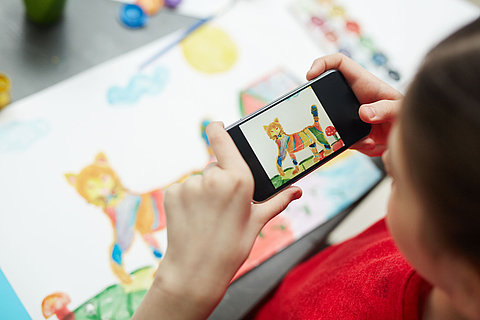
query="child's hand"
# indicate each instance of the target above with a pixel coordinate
(211, 226)
(380, 102)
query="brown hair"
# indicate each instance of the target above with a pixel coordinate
(440, 132)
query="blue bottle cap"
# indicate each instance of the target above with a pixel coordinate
(133, 16)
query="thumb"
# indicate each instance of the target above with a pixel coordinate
(269, 209)
(379, 111)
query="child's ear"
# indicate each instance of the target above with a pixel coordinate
(101, 159)
(71, 178)
(276, 120)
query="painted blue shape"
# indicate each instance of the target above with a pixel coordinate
(157, 253)
(10, 305)
(349, 180)
(117, 254)
(204, 125)
(139, 85)
(20, 135)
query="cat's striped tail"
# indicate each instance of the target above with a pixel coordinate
(314, 111)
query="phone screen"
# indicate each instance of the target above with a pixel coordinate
(292, 137)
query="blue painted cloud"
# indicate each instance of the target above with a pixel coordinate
(20, 135)
(139, 85)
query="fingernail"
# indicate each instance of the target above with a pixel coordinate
(297, 194)
(370, 112)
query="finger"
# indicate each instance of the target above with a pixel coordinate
(365, 85)
(380, 111)
(351, 70)
(267, 210)
(375, 152)
(366, 144)
(171, 197)
(191, 186)
(224, 148)
(210, 166)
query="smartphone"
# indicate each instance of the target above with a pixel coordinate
(297, 133)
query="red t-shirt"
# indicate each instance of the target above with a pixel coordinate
(365, 277)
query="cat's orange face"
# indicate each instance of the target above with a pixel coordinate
(274, 129)
(96, 182)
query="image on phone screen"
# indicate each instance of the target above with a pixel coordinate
(287, 143)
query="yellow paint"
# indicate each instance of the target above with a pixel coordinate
(210, 50)
(140, 280)
(340, 157)
(337, 11)
(304, 137)
(4, 90)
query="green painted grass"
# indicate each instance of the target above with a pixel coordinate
(278, 180)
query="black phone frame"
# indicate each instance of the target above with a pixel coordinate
(335, 103)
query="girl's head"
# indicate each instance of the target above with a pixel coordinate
(434, 210)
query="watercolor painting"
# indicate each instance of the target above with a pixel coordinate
(118, 301)
(276, 235)
(131, 213)
(127, 211)
(330, 189)
(265, 90)
(21, 135)
(210, 50)
(138, 86)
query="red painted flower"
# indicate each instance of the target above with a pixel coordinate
(330, 131)
(56, 304)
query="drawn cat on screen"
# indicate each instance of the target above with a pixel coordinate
(291, 143)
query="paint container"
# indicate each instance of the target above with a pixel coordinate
(4, 90)
(44, 12)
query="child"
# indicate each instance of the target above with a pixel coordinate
(421, 262)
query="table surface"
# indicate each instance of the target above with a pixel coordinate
(38, 57)
(90, 33)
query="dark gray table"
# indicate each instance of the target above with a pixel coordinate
(37, 57)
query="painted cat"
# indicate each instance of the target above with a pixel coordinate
(128, 211)
(98, 184)
(292, 143)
